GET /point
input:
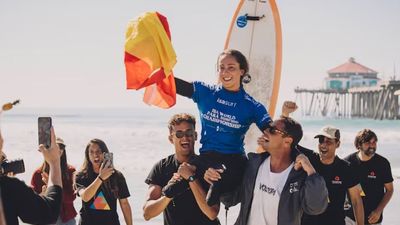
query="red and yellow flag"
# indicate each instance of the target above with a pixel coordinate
(149, 59)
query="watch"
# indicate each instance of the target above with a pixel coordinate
(192, 178)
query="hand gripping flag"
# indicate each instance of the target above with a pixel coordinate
(149, 59)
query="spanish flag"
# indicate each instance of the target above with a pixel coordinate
(149, 59)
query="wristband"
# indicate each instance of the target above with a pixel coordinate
(100, 178)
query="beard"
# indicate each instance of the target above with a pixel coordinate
(370, 151)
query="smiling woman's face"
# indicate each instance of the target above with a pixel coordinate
(229, 72)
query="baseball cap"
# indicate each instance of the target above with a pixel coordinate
(329, 132)
(60, 141)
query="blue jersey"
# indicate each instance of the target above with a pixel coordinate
(226, 116)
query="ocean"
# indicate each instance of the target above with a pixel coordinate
(138, 139)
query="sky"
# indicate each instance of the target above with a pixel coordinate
(69, 54)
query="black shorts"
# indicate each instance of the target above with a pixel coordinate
(235, 166)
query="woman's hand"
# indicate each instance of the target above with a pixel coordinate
(106, 170)
(211, 175)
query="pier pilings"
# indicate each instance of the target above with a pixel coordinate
(377, 102)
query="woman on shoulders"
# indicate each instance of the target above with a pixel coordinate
(226, 113)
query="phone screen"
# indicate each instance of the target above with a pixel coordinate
(44, 125)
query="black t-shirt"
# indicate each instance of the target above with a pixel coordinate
(338, 178)
(183, 209)
(373, 175)
(21, 201)
(102, 208)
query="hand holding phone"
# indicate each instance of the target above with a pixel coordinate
(44, 133)
(109, 157)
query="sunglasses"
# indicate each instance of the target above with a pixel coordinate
(273, 130)
(180, 134)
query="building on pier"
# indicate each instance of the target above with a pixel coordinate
(351, 74)
(352, 91)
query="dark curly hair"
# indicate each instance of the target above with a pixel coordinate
(364, 136)
(179, 118)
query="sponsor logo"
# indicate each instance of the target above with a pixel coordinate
(372, 175)
(337, 180)
(241, 21)
(293, 187)
(267, 189)
(224, 102)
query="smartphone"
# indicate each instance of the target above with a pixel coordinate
(108, 156)
(44, 125)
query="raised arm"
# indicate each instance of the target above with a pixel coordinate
(37, 209)
(287, 108)
(52, 157)
(105, 172)
(184, 88)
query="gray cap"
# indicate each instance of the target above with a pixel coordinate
(329, 132)
(60, 141)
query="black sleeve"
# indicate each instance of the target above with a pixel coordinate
(123, 187)
(160, 174)
(306, 151)
(312, 156)
(351, 177)
(155, 176)
(387, 172)
(81, 182)
(37, 209)
(184, 88)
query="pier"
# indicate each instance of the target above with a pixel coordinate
(379, 102)
(352, 90)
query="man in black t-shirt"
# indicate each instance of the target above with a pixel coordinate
(187, 206)
(338, 178)
(375, 176)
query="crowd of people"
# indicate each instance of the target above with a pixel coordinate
(281, 184)
(55, 185)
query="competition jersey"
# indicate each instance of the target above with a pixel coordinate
(373, 175)
(339, 177)
(226, 116)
